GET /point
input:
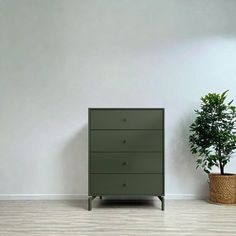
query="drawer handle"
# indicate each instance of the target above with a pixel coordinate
(124, 185)
(124, 163)
(124, 119)
(124, 141)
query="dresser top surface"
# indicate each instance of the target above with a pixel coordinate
(120, 108)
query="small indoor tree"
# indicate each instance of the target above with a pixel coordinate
(213, 136)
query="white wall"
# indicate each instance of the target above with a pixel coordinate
(57, 58)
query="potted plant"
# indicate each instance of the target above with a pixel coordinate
(213, 141)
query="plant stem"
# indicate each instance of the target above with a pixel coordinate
(221, 164)
(221, 168)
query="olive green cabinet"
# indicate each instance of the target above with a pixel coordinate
(126, 153)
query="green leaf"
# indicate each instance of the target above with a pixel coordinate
(230, 102)
(224, 93)
(199, 161)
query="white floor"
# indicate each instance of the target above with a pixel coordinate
(181, 217)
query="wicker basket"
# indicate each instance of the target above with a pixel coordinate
(222, 188)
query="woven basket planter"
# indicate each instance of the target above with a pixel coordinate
(222, 188)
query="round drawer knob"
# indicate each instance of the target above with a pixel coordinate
(124, 119)
(124, 141)
(124, 163)
(124, 185)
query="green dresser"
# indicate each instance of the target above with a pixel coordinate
(126, 153)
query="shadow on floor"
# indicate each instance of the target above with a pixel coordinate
(114, 203)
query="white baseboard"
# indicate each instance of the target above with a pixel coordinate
(43, 197)
(84, 196)
(185, 197)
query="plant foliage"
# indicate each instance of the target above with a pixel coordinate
(212, 134)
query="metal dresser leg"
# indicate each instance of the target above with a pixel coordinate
(90, 198)
(162, 199)
(163, 204)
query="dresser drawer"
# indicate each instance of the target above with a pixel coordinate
(126, 184)
(126, 119)
(126, 162)
(126, 140)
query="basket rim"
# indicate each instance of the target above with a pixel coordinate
(222, 176)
